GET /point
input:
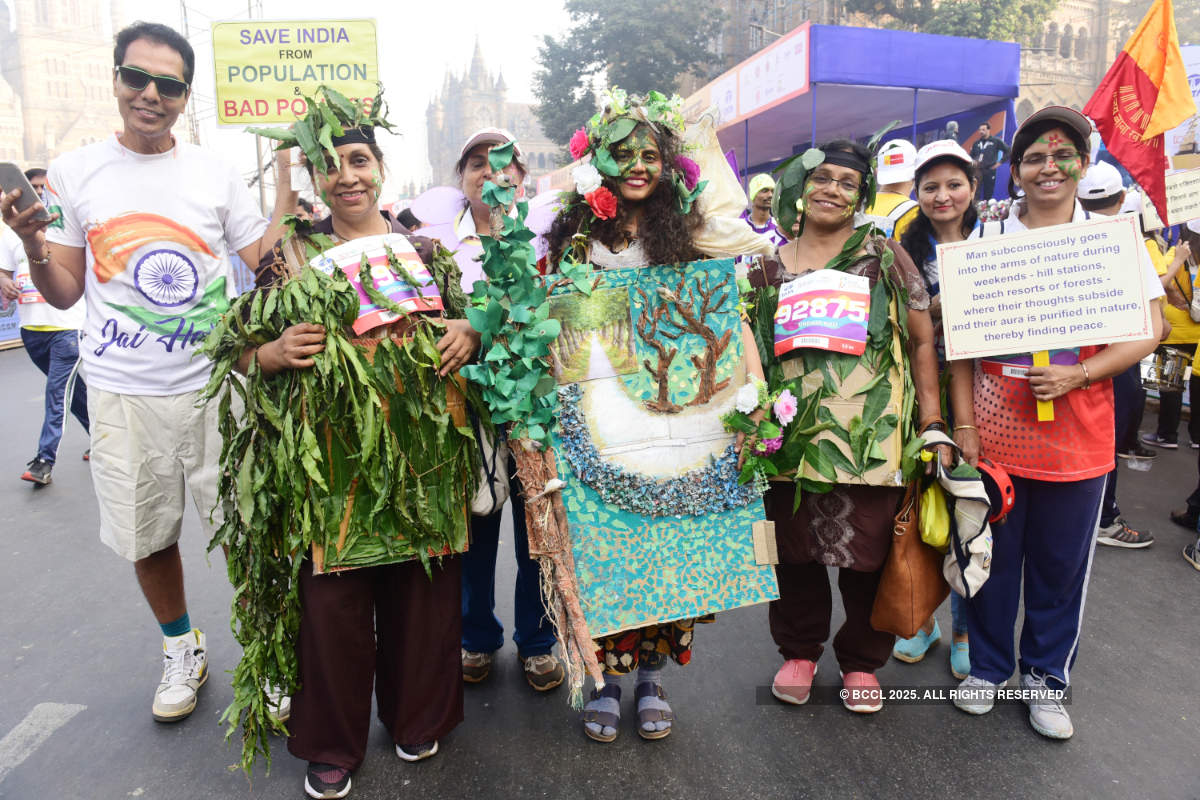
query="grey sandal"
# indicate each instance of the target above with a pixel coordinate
(651, 715)
(603, 719)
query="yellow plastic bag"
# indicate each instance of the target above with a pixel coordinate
(934, 517)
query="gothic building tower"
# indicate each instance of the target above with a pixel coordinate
(479, 100)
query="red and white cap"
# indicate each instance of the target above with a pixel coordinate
(895, 162)
(943, 148)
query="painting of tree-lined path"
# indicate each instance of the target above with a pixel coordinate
(597, 336)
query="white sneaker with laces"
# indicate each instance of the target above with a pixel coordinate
(1046, 714)
(975, 695)
(185, 669)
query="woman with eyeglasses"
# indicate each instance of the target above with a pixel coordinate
(848, 524)
(1043, 553)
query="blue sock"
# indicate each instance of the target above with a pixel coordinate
(177, 627)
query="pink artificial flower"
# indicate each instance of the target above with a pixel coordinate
(785, 407)
(579, 143)
(602, 202)
(690, 170)
(768, 446)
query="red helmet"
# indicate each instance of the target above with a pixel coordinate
(999, 488)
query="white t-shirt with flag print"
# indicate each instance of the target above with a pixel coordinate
(157, 231)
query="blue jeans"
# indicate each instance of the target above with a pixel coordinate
(482, 631)
(56, 354)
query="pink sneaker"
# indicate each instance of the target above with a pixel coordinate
(861, 693)
(793, 682)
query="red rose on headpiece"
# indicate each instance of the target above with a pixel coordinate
(602, 202)
(579, 143)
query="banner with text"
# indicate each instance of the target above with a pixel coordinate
(1183, 201)
(265, 68)
(1050, 288)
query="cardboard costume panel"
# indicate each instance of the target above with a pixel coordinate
(660, 528)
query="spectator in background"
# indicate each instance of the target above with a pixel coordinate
(1100, 192)
(894, 209)
(758, 215)
(409, 220)
(988, 151)
(51, 339)
(304, 210)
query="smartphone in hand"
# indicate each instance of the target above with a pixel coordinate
(13, 178)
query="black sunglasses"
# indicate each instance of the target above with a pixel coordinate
(138, 79)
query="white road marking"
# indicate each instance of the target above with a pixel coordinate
(31, 732)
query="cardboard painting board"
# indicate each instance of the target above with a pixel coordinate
(1052, 288)
(658, 533)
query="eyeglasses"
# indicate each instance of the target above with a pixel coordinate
(821, 181)
(1058, 157)
(138, 79)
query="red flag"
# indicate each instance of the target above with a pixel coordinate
(1144, 93)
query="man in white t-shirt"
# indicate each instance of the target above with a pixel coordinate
(147, 223)
(51, 339)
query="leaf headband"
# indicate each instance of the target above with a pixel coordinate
(793, 173)
(331, 120)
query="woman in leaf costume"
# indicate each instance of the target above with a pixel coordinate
(835, 428)
(634, 205)
(372, 524)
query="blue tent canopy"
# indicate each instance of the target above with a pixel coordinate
(860, 79)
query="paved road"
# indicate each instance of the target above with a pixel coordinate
(79, 662)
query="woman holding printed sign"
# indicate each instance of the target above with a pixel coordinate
(847, 346)
(1057, 467)
(391, 463)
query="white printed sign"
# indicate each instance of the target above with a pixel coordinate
(1183, 201)
(1057, 287)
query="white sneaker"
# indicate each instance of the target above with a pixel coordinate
(279, 705)
(185, 669)
(1046, 714)
(975, 695)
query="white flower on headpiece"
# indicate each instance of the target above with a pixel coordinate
(586, 177)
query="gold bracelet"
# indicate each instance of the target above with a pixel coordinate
(38, 262)
(1087, 378)
(958, 428)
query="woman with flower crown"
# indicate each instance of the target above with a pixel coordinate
(634, 205)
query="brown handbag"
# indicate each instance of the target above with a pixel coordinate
(912, 585)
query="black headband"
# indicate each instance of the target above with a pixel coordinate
(362, 135)
(841, 158)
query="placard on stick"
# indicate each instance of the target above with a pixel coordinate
(264, 68)
(1183, 201)
(1051, 288)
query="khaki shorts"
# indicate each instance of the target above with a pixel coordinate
(143, 450)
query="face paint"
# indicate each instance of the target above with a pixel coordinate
(639, 147)
(1052, 141)
(851, 204)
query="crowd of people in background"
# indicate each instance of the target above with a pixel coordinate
(416, 637)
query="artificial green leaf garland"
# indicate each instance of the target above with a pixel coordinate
(309, 439)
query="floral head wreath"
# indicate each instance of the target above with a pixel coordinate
(788, 203)
(622, 113)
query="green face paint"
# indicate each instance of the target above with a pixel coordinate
(639, 147)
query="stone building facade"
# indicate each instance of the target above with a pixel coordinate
(479, 100)
(55, 77)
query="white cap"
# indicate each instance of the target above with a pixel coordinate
(489, 136)
(1194, 226)
(1102, 181)
(1133, 201)
(895, 162)
(942, 148)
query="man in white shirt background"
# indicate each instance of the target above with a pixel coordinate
(51, 339)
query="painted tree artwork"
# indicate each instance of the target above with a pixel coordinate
(660, 527)
(597, 335)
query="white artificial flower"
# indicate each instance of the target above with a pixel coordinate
(586, 177)
(746, 399)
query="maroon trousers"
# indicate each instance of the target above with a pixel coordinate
(390, 626)
(799, 619)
